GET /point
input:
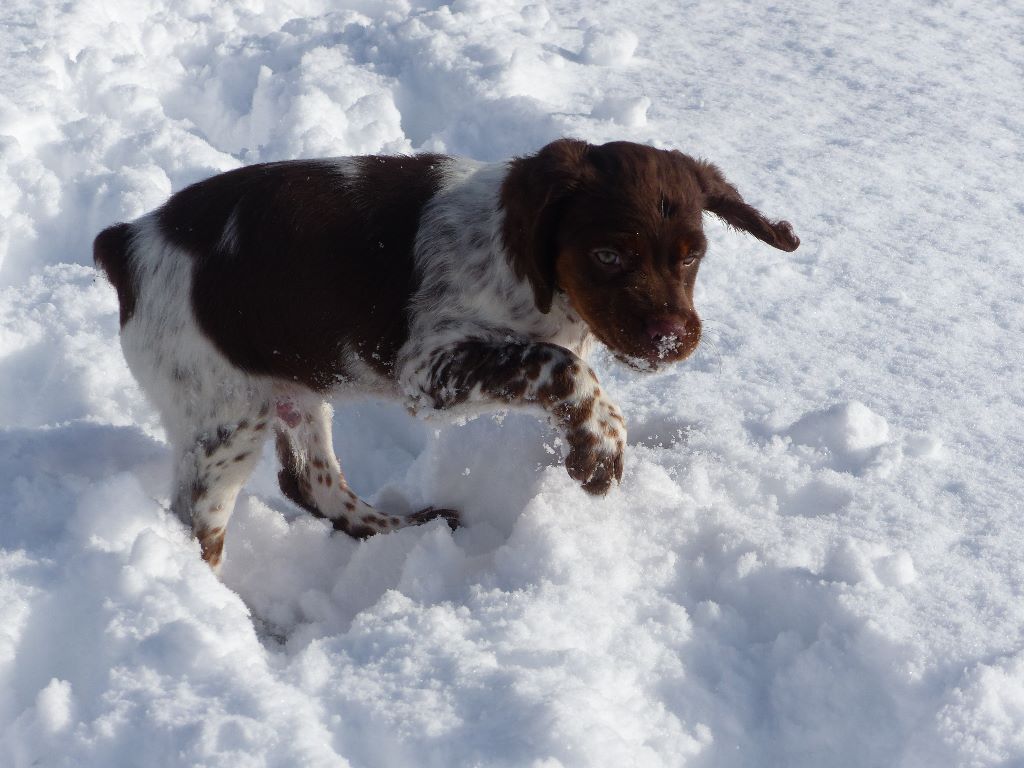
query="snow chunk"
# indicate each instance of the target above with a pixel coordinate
(850, 432)
(857, 562)
(536, 15)
(851, 563)
(608, 49)
(896, 570)
(630, 111)
(54, 706)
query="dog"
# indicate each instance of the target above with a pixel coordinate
(250, 299)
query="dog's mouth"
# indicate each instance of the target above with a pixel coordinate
(651, 362)
(648, 352)
(641, 364)
(644, 341)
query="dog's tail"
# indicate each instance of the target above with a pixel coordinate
(110, 251)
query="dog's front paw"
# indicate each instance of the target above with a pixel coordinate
(596, 433)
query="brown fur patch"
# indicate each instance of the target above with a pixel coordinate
(311, 266)
(532, 196)
(502, 371)
(219, 438)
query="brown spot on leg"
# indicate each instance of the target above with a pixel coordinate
(560, 384)
(221, 438)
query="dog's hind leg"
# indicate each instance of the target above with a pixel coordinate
(312, 478)
(213, 461)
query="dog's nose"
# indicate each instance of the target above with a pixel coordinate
(673, 326)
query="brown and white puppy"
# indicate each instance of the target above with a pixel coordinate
(251, 298)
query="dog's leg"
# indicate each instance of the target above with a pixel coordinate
(212, 465)
(530, 374)
(311, 476)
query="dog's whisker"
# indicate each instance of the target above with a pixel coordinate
(708, 349)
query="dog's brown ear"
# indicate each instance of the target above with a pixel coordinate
(724, 200)
(533, 196)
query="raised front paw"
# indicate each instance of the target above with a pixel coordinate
(596, 433)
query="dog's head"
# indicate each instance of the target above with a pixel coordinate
(618, 228)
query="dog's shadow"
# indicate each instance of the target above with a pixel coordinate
(301, 581)
(44, 468)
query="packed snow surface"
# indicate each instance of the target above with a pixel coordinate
(814, 558)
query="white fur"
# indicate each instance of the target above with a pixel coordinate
(468, 288)
(188, 380)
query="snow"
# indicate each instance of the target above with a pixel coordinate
(814, 556)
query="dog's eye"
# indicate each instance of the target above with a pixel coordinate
(690, 257)
(607, 256)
